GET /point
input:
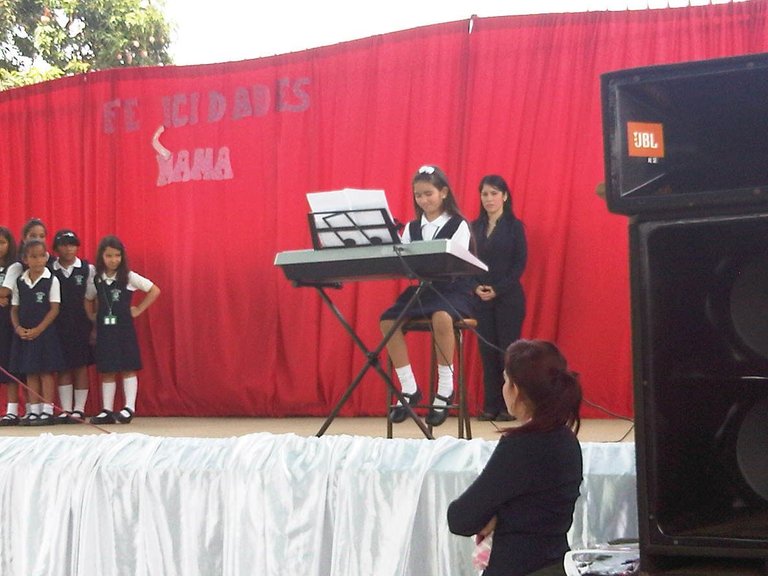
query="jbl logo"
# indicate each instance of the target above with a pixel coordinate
(645, 139)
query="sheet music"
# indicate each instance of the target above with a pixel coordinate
(347, 199)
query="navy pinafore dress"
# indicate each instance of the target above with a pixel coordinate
(72, 323)
(117, 347)
(452, 296)
(6, 334)
(43, 354)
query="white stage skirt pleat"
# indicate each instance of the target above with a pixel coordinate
(129, 504)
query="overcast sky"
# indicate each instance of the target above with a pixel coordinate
(224, 30)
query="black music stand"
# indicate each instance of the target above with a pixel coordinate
(347, 228)
(352, 228)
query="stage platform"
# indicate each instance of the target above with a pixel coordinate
(375, 427)
(236, 496)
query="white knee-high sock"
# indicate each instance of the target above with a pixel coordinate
(407, 379)
(108, 395)
(130, 390)
(81, 397)
(444, 382)
(65, 397)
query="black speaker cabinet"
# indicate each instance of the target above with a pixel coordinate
(685, 136)
(700, 336)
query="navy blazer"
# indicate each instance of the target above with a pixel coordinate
(505, 252)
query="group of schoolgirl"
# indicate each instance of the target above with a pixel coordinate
(51, 305)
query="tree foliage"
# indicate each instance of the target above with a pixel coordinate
(40, 40)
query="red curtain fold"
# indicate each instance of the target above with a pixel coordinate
(203, 172)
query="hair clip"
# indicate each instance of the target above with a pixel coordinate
(66, 235)
(427, 169)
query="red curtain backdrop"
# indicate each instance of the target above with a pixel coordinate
(203, 172)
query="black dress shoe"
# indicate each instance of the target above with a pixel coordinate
(400, 413)
(9, 420)
(76, 417)
(124, 416)
(437, 416)
(28, 419)
(487, 416)
(103, 417)
(504, 416)
(44, 419)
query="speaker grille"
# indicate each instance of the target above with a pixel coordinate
(751, 446)
(749, 306)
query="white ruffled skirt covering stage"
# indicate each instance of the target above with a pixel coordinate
(130, 504)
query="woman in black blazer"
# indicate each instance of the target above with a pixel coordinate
(500, 301)
(524, 497)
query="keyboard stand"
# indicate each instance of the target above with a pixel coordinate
(424, 261)
(372, 356)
